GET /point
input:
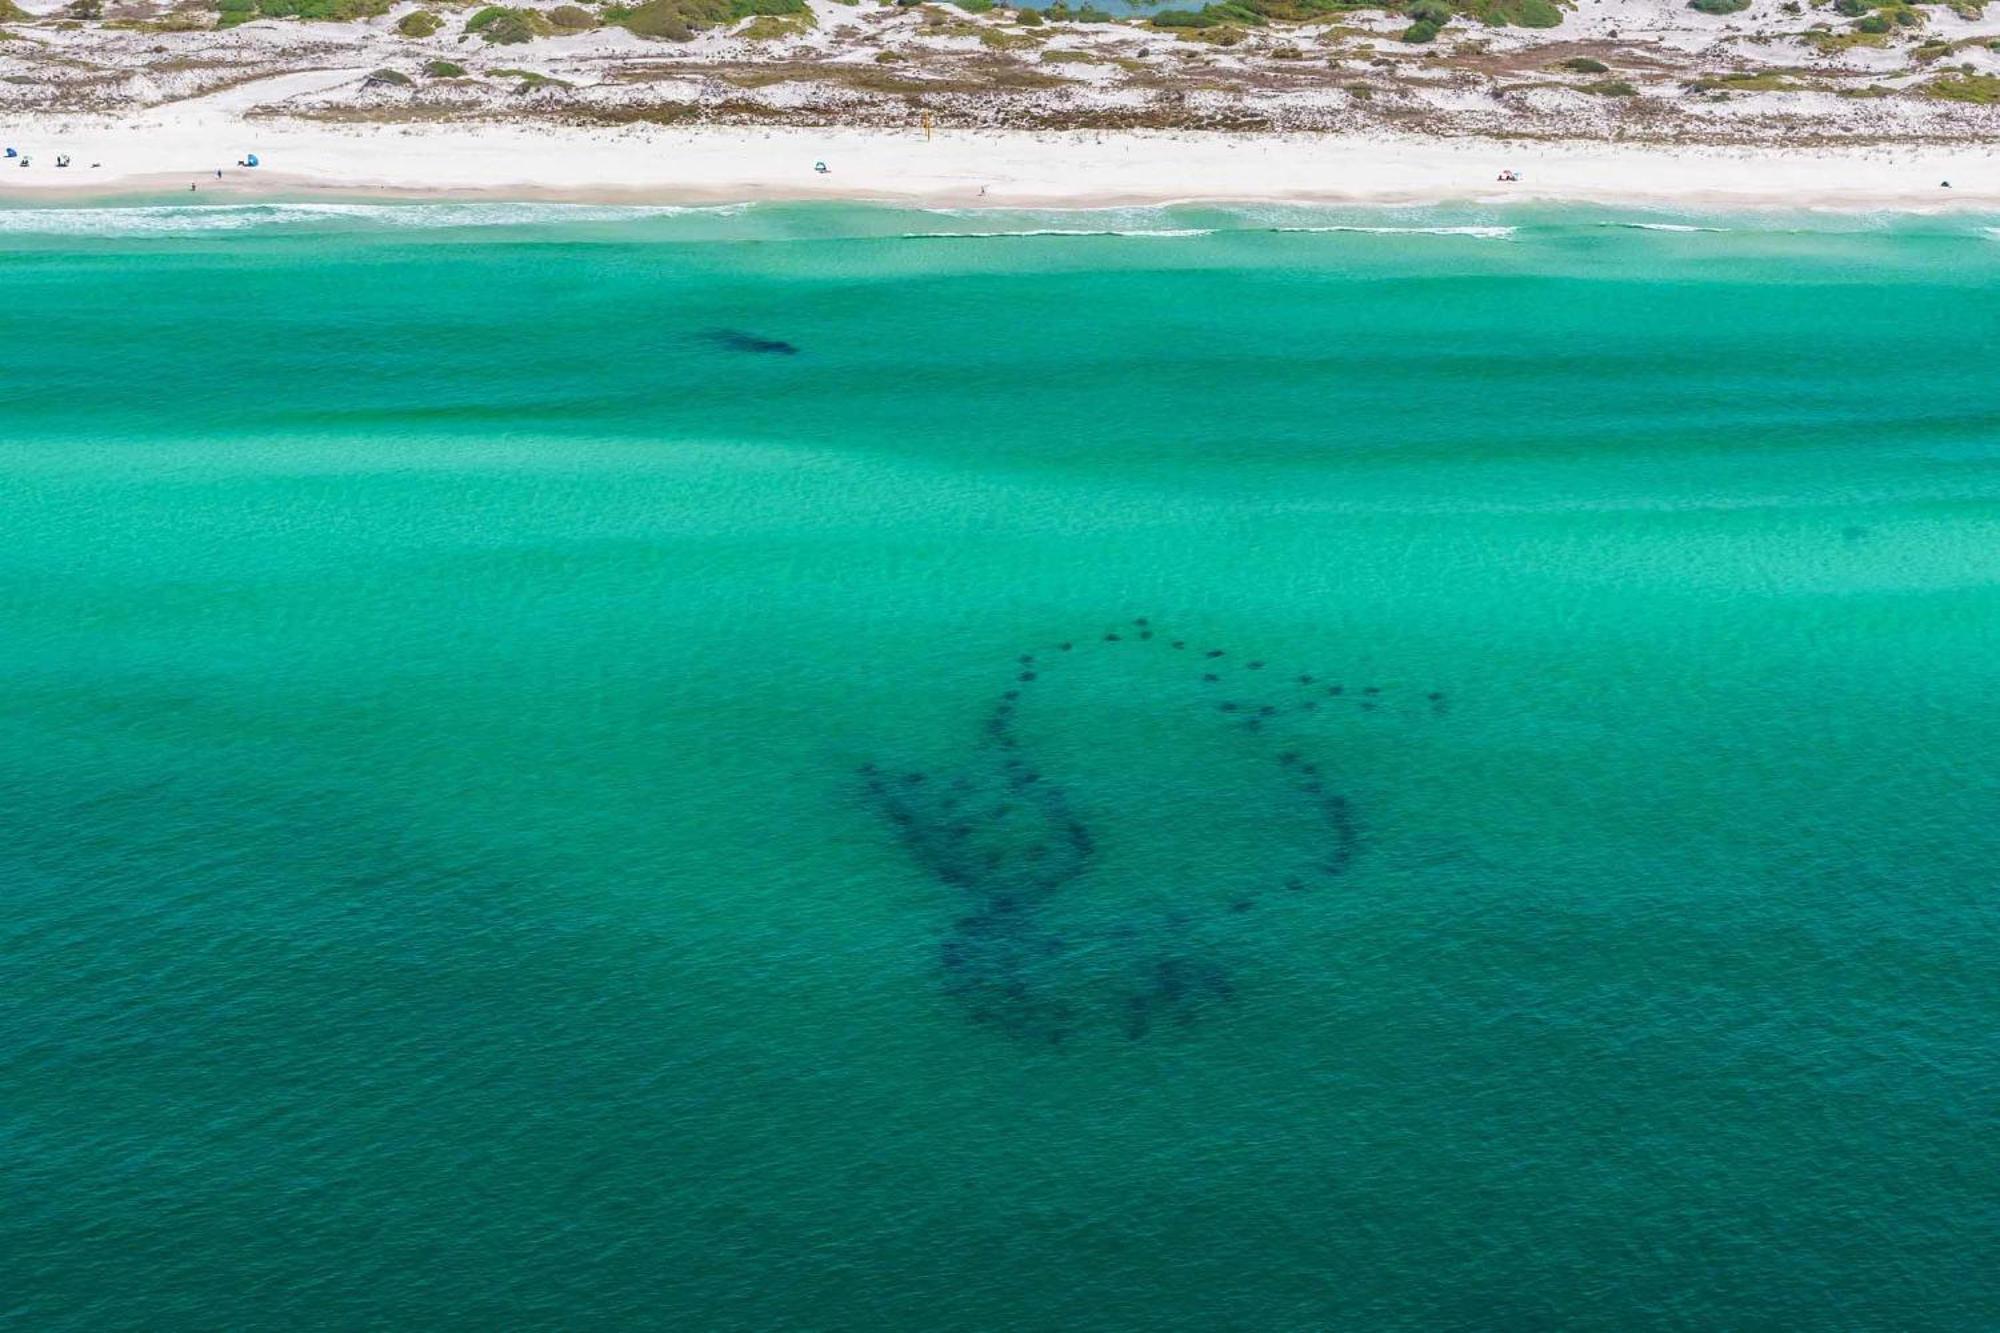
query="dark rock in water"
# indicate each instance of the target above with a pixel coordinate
(736, 340)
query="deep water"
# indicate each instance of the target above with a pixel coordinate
(543, 786)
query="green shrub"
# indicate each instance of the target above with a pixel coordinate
(11, 11)
(1585, 65)
(421, 23)
(330, 11)
(974, 6)
(1874, 23)
(1611, 88)
(658, 18)
(443, 69)
(394, 77)
(530, 79)
(678, 20)
(1719, 6)
(1852, 9)
(1031, 18)
(572, 18)
(509, 27)
(1519, 13)
(772, 27)
(1422, 31)
(1983, 89)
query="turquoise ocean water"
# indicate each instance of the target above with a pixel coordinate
(525, 806)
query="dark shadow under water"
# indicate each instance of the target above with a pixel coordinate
(1009, 841)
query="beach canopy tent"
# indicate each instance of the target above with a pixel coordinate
(12, 153)
(250, 161)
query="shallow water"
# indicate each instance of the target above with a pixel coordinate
(461, 678)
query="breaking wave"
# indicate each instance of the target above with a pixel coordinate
(201, 219)
(1484, 233)
(1058, 231)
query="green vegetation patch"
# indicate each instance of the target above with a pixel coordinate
(1515, 13)
(1583, 65)
(419, 23)
(509, 27)
(1766, 81)
(1983, 89)
(1832, 43)
(1060, 12)
(1719, 6)
(529, 79)
(1427, 17)
(679, 20)
(775, 27)
(1609, 88)
(572, 18)
(9, 11)
(444, 69)
(232, 12)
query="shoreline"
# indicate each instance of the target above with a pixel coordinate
(158, 156)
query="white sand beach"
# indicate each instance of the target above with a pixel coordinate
(182, 146)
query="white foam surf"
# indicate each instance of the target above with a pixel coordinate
(199, 219)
